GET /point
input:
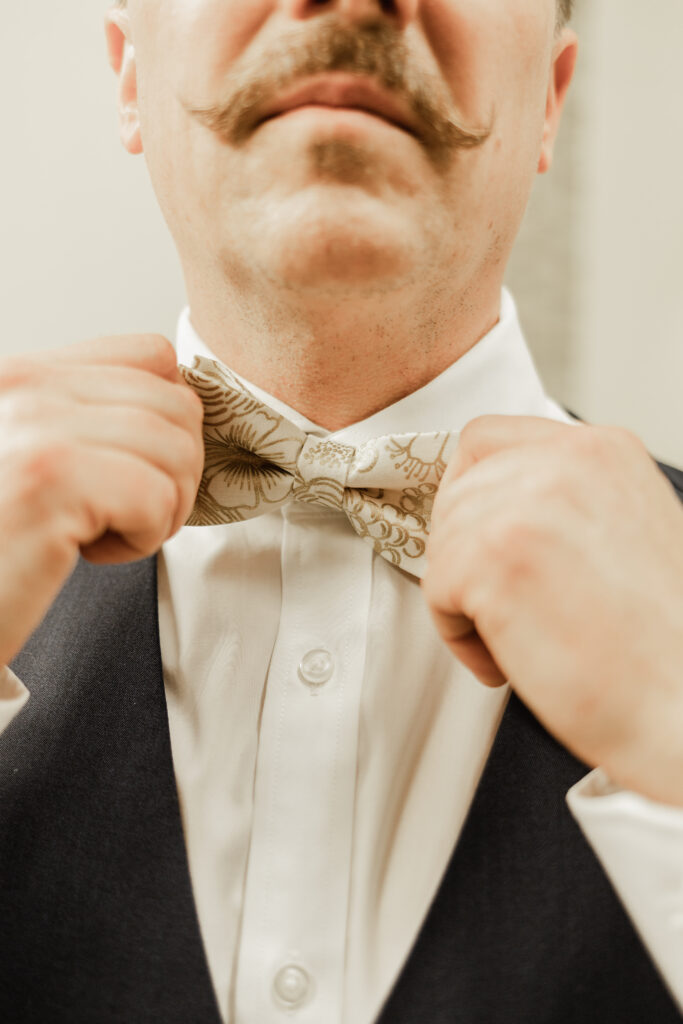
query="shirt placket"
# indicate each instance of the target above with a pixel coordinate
(290, 963)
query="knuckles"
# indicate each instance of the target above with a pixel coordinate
(16, 373)
(159, 353)
(169, 511)
(167, 500)
(599, 467)
(41, 468)
(190, 454)
(604, 446)
(195, 406)
(547, 499)
(510, 551)
(58, 550)
(37, 494)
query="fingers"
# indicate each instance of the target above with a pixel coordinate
(119, 493)
(59, 497)
(471, 650)
(177, 451)
(113, 395)
(137, 389)
(446, 593)
(469, 548)
(101, 450)
(151, 352)
(110, 407)
(32, 381)
(488, 435)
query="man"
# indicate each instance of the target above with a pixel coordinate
(317, 813)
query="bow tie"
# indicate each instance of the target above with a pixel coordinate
(257, 460)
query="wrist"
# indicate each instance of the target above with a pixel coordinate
(652, 764)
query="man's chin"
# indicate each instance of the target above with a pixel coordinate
(343, 274)
(334, 245)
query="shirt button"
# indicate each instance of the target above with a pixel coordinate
(316, 667)
(291, 986)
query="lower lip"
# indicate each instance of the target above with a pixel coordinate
(337, 117)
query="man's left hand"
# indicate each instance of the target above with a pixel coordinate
(556, 563)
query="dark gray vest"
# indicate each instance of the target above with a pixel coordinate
(97, 920)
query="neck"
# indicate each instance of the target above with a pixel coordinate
(339, 358)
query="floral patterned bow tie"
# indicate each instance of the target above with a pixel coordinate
(257, 460)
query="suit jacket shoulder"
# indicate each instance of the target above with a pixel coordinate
(675, 477)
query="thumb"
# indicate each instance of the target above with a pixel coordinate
(461, 637)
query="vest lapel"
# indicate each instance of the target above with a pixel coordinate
(525, 925)
(98, 921)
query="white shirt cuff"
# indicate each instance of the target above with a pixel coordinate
(640, 845)
(13, 696)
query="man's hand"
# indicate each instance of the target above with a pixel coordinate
(100, 451)
(556, 563)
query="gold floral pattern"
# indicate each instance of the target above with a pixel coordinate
(328, 453)
(421, 456)
(251, 452)
(257, 460)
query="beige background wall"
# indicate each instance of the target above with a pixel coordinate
(598, 273)
(83, 248)
(630, 328)
(84, 251)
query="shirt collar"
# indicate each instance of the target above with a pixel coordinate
(497, 375)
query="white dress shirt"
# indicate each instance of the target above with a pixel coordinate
(327, 746)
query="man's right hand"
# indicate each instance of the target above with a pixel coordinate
(101, 453)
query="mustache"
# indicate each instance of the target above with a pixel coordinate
(371, 49)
